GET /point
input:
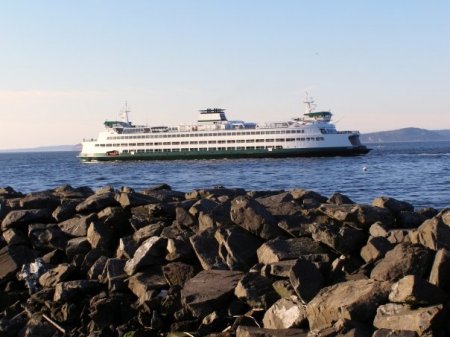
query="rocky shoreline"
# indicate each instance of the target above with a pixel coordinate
(220, 262)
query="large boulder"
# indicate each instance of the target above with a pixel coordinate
(12, 258)
(77, 226)
(375, 249)
(97, 202)
(434, 233)
(150, 252)
(22, 218)
(402, 260)
(394, 205)
(287, 249)
(206, 248)
(39, 200)
(285, 314)
(253, 217)
(209, 290)
(414, 290)
(306, 279)
(256, 291)
(403, 317)
(352, 300)
(440, 272)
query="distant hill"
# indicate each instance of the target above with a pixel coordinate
(55, 148)
(406, 135)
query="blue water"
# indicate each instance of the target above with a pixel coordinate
(415, 172)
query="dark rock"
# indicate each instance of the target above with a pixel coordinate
(402, 317)
(287, 249)
(402, 260)
(133, 199)
(305, 195)
(408, 219)
(77, 246)
(217, 217)
(178, 249)
(306, 279)
(340, 199)
(202, 205)
(284, 289)
(100, 235)
(96, 270)
(177, 273)
(44, 236)
(11, 260)
(39, 200)
(114, 275)
(183, 217)
(129, 244)
(14, 237)
(66, 291)
(215, 193)
(253, 217)
(97, 202)
(66, 210)
(396, 236)
(279, 269)
(282, 204)
(212, 322)
(56, 275)
(394, 333)
(20, 219)
(394, 205)
(248, 331)
(440, 271)
(150, 252)
(209, 290)
(354, 300)
(375, 249)
(237, 247)
(285, 314)
(8, 192)
(146, 285)
(69, 192)
(343, 239)
(416, 291)
(164, 195)
(206, 248)
(78, 225)
(256, 291)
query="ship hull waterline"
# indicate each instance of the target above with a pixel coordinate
(234, 154)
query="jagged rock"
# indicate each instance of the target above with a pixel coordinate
(361, 215)
(394, 205)
(282, 206)
(302, 195)
(114, 275)
(178, 249)
(66, 291)
(206, 248)
(256, 291)
(164, 195)
(96, 270)
(339, 199)
(217, 217)
(99, 235)
(396, 236)
(394, 333)
(44, 236)
(39, 200)
(253, 217)
(209, 290)
(56, 275)
(66, 210)
(285, 314)
(215, 193)
(129, 244)
(212, 322)
(249, 331)
(287, 249)
(68, 192)
(237, 247)
(150, 252)
(20, 219)
(14, 237)
(11, 260)
(402, 317)
(78, 225)
(114, 217)
(177, 273)
(202, 205)
(284, 289)
(433, 233)
(343, 239)
(133, 199)
(306, 279)
(378, 229)
(354, 300)
(416, 291)
(440, 271)
(279, 269)
(97, 202)
(402, 260)
(183, 217)
(407, 219)
(77, 246)
(375, 249)
(8, 192)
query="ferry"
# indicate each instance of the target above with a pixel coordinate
(214, 136)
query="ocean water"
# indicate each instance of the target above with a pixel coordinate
(418, 173)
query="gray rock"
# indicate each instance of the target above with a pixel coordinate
(39, 200)
(237, 247)
(404, 259)
(133, 199)
(99, 235)
(256, 291)
(394, 205)
(206, 248)
(20, 219)
(202, 205)
(253, 217)
(177, 273)
(66, 291)
(209, 290)
(96, 270)
(279, 269)
(77, 226)
(114, 275)
(46, 236)
(343, 239)
(416, 291)
(375, 249)
(403, 317)
(56, 275)
(97, 202)
(69, 192)
(66, 210)
(179, 250)
(440, 271)
(11, 260)
(77, 246)
(353, 300)
(287, 249)
(150, 252)
(249, 331)
(306, 279)
(285, 314)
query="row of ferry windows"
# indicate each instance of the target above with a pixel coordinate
(178, 135)
(209, 149)
(218, 142)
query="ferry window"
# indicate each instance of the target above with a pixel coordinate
(212, 142)
(175, 143)
(247, 133)
(231, 148)
(149, 150)
(203, 142)
(125, 151)
(231, 141)
(140, 144)
(149, 144)
(221, 141)
(184, 143)
(250, 141)
(290, 139)
(279, 140)
(158, 150)
(221, 148)
(308, 139)
(260, 140)
(277, 132)
(233, 133)
(212, 149)
(184, 150)
(250, 148)
(302, 139)
(252, 133)
(158, 143)
(260, 147)
(193, 149)
(240, 141)
(175, 150)
(257, 132)
(193, 142)
(166, 150)
(203, 149)
(166, 143)
(241, 148)
(270, 140)
(140, 151)
(272, 132)
(210, 134)
(123, 144)
(278, 147)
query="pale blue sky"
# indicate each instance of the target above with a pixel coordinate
(66, 66)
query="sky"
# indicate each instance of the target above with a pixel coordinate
(67, 66)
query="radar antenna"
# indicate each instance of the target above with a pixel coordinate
(309, 103)
(124, 113)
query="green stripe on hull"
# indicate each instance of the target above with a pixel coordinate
(276, 153)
